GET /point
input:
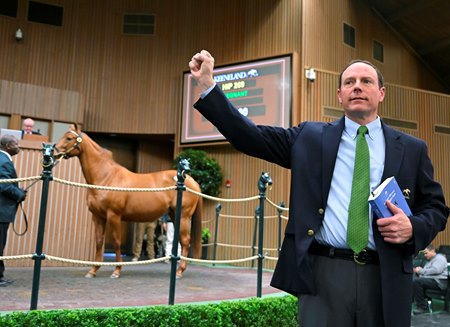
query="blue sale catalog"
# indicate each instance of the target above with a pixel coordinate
(388, 190)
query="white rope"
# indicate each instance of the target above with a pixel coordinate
(271, 258)
(256, 197)
(277, 206)
(16, 180)
(240, 217)
(97, 263)
(234, 245)
(17, 257)
(220, 261)
(132, 263)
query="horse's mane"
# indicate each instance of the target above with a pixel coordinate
(105, 153)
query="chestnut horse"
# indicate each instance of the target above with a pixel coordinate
(112, 207)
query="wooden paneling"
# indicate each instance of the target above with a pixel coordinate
(324, 48)
(43, 102)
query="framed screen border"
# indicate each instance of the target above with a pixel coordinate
(189, 98)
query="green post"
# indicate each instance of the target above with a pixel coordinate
(183, 168)
(262, 184)
(47, 164)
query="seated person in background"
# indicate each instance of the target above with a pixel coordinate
(28, 125)
(433, 275)
(142, 229)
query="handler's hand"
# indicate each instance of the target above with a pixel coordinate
(396, 229)
(201, 66)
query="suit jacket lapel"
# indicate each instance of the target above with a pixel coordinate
(330, 144)
(394, 152)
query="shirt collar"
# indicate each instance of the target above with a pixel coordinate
(7, 154)
(374, 127)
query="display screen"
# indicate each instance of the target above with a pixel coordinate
(260, 90)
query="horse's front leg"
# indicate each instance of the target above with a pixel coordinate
(185, 238)
(114, 221)
(99, 228)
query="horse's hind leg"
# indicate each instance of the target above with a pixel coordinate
(185, 238)
(114, 221)
(99, 228)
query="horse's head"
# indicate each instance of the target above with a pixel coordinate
(69, 144)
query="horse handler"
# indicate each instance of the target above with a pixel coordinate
(10, 195)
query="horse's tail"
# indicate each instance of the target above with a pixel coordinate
(196, 230)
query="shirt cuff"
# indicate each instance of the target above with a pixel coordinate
(205, 93)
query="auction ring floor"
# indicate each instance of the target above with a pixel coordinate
(139, 285)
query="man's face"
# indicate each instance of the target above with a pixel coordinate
(359, 92)
(28, 126)
(13, 147)
(428, 254)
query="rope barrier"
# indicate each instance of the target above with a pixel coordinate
(241, 217)
(220, 261)
(152, 261)
(160, 189)
(237, 246)
(209, 197)
(271, 258)
(208, 221)
(101, 263)
(23, 179)
(277, 206)
(131, 263)
(17, 257)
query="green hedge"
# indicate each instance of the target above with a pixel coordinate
(271, 311)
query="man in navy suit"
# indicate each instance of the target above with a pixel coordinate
(336, 286)
(10, 195)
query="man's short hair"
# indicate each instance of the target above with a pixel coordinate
(379, 74)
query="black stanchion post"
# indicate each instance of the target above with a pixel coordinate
(183, 168)
(47, 164)
(280, 211)
(255, 234)
(216, 230)
(262, 184)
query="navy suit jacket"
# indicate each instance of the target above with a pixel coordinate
(310, 151)
(10, 194)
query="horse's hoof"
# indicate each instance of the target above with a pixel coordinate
(179, 276)
(115, 275)
(89, 275)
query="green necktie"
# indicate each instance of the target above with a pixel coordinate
(358, 210)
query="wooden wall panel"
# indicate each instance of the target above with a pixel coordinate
(324, 47)
(43, 102)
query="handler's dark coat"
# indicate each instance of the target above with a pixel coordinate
(10, 193)
(310, 151)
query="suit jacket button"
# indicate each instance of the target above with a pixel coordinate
(310, 232)
(321, 211)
